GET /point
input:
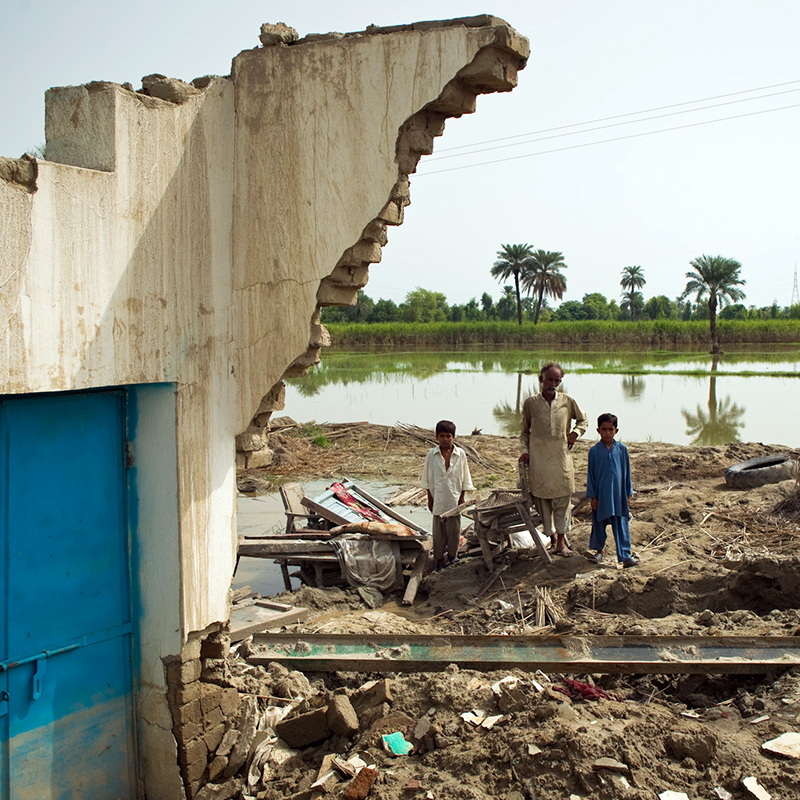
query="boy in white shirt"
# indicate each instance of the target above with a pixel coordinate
(445, 475)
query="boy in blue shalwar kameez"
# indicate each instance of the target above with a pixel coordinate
(608, 485)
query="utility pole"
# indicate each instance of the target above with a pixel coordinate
(795, 293)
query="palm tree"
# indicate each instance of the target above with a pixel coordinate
(513, 259)
(717, 278)
(632, 281)
(543, 277)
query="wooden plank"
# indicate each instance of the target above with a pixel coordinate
(454, 512)
(490, 580)
(398, 578)
(417, 572)
(266, 548)
(483, 539)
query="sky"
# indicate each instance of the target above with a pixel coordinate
(693, 106)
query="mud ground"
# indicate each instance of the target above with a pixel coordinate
(714, 561)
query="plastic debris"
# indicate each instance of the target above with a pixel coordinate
(510, 682)
(670, 795)
(787, 744)
(396, 744)
(480, 718)
(533, 750)
(755, 788)
(762, 718)
(723, 794)
(474, 717)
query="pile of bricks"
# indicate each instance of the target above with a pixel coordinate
(209, 719)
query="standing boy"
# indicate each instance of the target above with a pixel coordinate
(608, 484)
(445, 475)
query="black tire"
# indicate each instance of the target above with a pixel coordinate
(759, 471)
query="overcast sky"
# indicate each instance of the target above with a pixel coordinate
(651, 197)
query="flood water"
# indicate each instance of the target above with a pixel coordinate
(681, 397)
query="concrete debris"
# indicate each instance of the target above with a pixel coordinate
(220, 791)
(756, 789)
(341, 716)
(305, 729)
(610, 764)
(18, 171)
(722, 794)
(172, 90)
(279, 33)
(787, 744)
(670, 795)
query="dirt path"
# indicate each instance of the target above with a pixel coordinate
(713, 562)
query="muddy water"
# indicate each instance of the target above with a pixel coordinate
(667, 396)
(257, 516)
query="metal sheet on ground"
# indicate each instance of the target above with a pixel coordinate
(563, 654)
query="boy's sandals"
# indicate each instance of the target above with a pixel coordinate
(597, 558)
(630, 562)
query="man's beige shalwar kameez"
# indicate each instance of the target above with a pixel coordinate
(545, 427)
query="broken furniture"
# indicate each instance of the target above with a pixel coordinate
(307, 542)
(508, 511)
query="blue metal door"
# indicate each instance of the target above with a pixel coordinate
(66, 722)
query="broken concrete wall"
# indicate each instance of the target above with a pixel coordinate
(346, 154)
(188, 243)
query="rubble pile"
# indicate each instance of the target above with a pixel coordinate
(467, 734)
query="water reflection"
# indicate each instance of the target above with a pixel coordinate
(633, 386)
(720, 423)
(668, 396)
(509, 419)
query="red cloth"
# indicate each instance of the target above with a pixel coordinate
(356, 505)
(579, 690)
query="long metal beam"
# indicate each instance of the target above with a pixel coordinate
(562, 654)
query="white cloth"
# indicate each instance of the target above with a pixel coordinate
(446, 485)
(366, 562)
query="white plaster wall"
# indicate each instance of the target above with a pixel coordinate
(156, 561)
(322, 149)
(192, 253)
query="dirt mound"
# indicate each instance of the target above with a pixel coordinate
(714, 562)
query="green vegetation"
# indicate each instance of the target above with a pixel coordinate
(425, 317)
(651, 333)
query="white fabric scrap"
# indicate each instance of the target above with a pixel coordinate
(366, 561)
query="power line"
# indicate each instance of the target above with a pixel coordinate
(620, 116)
(607, 141)
(611, 125)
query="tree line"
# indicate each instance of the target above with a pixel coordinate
(530, 277)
